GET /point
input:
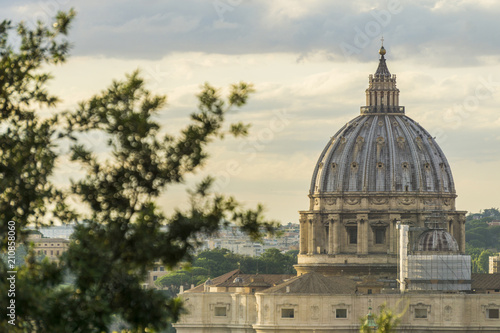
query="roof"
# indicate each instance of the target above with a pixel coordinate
(215, 281)
(382, 69)
(315, 283)
(437, 240)
(237, 279)
(382, 153)
(482, 281)
(51, 240)
(256, 280)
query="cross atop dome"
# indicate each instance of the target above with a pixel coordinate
(382, 50)
(382, 69)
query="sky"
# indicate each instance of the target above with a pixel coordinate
(309, 62)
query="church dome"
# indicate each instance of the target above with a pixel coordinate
(436, 240)
(382, 150)
(382, 153)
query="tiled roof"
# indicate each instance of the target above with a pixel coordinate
(256, 280)
(50, 240)
(215, 281)
(314, 283)
(485, 281)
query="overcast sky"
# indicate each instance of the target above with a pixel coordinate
(309, 61)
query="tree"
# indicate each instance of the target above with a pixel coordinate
(275, 262)
(123, 232)
(483, 261)
(182, 277)
(386, 321)
(491, 212)
(27, 147)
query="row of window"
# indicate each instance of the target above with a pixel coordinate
(419, 313)
(161, 268)
(221, 311)
(45, 252)
(353, 235)
(290, 313)
(48, 244)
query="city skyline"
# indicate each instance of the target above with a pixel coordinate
(310, 68)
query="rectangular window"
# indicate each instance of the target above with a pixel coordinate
(341, 313)
(57, 252)
(51, 252)
(379, 236)
(287, 313)
(353, 235)
(420, 313)
(154, 278)
(162, 269)
(155, 269)
(493, 314)
(220, 311)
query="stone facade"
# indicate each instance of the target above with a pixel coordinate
(315, 313)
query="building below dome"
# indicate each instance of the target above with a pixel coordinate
(382, 201)
(379, 169)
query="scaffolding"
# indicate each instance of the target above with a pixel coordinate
(444, 272)
(437, 270)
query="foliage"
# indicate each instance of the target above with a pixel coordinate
(124, 232)
(482, 234)
(386, 321)
(483, 240)
(479, 258)
(27, 150)
(213, 263)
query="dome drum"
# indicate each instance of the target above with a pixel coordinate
(397, 202)
(383, 109)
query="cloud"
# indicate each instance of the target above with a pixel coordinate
(440, 32)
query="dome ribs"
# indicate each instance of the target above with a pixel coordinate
(333, 140)
(367, 160)
(392, 152)
(343, 183)
(414, 153)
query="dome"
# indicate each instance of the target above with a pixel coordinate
(436, 240)
(379, 170)
(382, 153)
(382, 150)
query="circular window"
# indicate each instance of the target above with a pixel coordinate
(405, 165)
(380, 165)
